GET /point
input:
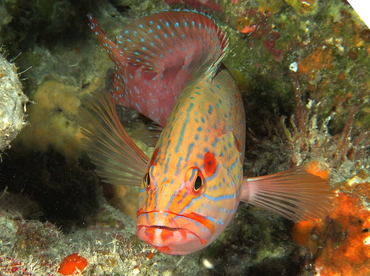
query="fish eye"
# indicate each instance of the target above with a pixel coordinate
(146, 180)
(194, 181)
(198, 183)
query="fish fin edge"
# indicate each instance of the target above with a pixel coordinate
(150, 43)
(111, 48)
(294, 194)
(117, 158)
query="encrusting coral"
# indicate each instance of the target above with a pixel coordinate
(320, 47)
(340, 243)
(12, 103)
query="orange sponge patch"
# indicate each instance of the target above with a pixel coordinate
(319, 169)
(341, 243)
(72, 264)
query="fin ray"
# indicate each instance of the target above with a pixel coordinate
(108, 44)
(117, 158)
(152, 133)
(294, 194)
(162, 40)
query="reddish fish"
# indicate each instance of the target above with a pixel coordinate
(197, 4)
(156, 56)
(192, 185)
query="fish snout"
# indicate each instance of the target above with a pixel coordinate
(174, 234)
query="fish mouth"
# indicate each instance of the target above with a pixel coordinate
(165, 227)
(172, 233)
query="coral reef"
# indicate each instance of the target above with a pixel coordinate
(339, 245)
(12, 103)
(52, 120)
(108, 245)
(302, 67)
(324, 47)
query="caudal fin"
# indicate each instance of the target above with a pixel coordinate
(117, 158)
(294, 194)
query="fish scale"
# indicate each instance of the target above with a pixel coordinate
(191, 186)
(202, 115)
(200, 104)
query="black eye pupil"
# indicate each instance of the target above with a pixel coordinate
(146, 180)
(197, 183)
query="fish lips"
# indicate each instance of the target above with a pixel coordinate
(172, 233)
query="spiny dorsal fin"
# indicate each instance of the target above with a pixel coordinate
(172, 39)
(112, 49)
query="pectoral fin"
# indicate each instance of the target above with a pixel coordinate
(294, 194)
(117, 158)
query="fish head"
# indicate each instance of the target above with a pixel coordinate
(164, 222)
(185, 205)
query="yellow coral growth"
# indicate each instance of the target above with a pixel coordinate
(303, 7)
(52, 120)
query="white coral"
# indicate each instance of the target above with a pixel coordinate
(12, 103)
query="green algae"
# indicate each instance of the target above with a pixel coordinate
(332, 28)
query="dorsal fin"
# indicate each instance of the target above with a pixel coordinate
(112, 49)
(158, 55)
(172, 39)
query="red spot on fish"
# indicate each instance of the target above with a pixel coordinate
(210, 164)
(150, 231)
(166, 235)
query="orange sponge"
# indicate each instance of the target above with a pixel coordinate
(72, 264)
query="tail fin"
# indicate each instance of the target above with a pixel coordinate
(294, 194)
(117, 158)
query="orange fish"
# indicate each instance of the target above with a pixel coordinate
(192, 185)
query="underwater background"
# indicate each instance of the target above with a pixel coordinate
(303, 70)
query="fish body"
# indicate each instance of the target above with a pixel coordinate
(195, 174)
(156, 56)
(192, 184)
